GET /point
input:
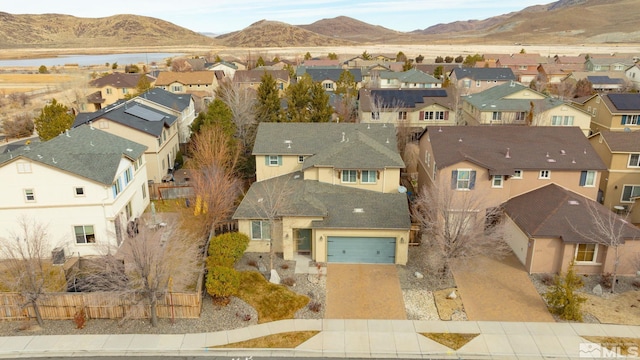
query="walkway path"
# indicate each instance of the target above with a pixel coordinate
(499, 290)
(340, 338)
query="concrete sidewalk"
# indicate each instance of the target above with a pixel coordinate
(340, 338)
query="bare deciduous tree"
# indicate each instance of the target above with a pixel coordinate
(21, 126)
(241, 101)
(27, 265)
(607, 229)
(463, 224)
(214, 157)
(180, 65)
(146, 267)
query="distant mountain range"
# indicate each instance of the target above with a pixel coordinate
(561, 22)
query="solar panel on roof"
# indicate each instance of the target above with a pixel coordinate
(144, 113)
(625, 101)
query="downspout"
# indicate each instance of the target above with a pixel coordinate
(104, 214)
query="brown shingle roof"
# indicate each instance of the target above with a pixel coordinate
(118, 80)
(552, 211)
(530, 147)
(622, 141)
(186, 78)
(255, 76)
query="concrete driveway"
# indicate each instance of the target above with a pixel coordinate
(362, 291)
(499, 290)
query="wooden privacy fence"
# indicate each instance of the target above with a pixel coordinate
(103, 305)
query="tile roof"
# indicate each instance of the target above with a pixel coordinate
(552, 211)
(166, 98)
(500, 74)
(529, 147)
(119, 80)
(132, 114)
(334, 203)
(346, 145)
(84, 151)
(186, 78)
(405, 98)
(622, 141)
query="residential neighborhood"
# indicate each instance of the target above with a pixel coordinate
(352, 187)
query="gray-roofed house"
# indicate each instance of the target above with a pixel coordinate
(85, 185)
(551, 227)
(414, 108)
(515, 104)
(253, 78)
(410, 79)
(182, 106)
(328, 76)
(620, 183)
(473, 80)
(506, 161)
(339, 190)
(156, 129)
(614, 111)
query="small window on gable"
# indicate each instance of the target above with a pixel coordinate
(544, 174)
(23, 167)
(497, 181)
(103, 124)
(29, 195)
(517, 174)
(79, 191)
(300, 159)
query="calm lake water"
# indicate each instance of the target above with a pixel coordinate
(87, 60)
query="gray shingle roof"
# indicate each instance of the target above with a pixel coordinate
(528, 147)
(411, 76)
(133, 115)
(334, 203)
(319, 74)
(548, 212)
(622, 141)
(500, 74)
(495, 99)
(347, 145)
(84, 151)
(404, 98)
(168, 99)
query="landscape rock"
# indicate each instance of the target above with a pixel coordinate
(418, 275)
(597, 290)
(452, 295)
(274, 278)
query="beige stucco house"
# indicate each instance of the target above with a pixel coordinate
(110, 88)
(615, 112)
(328, 190)
(551, 227)
(153, 128)
(619, 185)
(469, 80)
(251, 79)
(84, 186)
(187, 82)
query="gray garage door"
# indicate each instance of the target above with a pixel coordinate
(361, 250)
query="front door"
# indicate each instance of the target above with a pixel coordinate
(303, 239)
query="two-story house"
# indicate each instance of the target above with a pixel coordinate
(524, 66)
(153, 128)
(410, 79)
(633, 75)
(187, 82)
(182, 106)
(110, 88)
(608, 63)
(328, 76)
(506, 161)
(251, 79)
(615, 112)
(415, 108)
(620, 183)
(473, 80)
(516, 104)
(329, 190)
(229, 69)
(85, 186)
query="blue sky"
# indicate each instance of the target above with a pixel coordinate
(222, 16)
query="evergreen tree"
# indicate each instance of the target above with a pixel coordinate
(218, 113)
(562, 298)
(307, 102)
(307, 56)
(260, 62)
(332, 56)
(268, 100)
(53, 120)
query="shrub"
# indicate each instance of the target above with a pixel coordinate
(562, 299)
(222, 282)
(315, 306)
(606, 280)
(227, 249)
(289, 281)
(80, 318)
(284, 266)
(21, 126)
(547, 279)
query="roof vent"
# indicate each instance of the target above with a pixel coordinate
(129, 149)
(358, 210)
(573, 202)
(387, 140)
(547, 154)
(507, 155)
(54, 160)
(562, 152)
(67, 133)
(91, 143)
(460, 140)
(584, 151)
(342, 136)
(551, 160)
(440, 129)
(39, 156)
(573, 161)
(297, 176)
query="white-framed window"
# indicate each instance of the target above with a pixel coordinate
(144, 190)
(375, 115)
(369, 176)
(163, 164)
(273, 160)
(29, 195)
(629, 192)
(558, 120)
(634, 160)
(586, 253)
(596, 67)
(300, 159)
(328, 86)
(427, 158)
(128, 175)
(84, 234)
(348, 176)
(522, 67)
(496, 116)
(588, 178)
(497, 181)
(402, 115)
(434, 115)
(128, 210)
(78, 191)
(464, 179)
(521, 116)
(260, 230)
(116, 188)
(176, 88)
(630, 119)
(109, 91)
(125, 90)
(23, 167)
(544, 174)
(517, 174)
